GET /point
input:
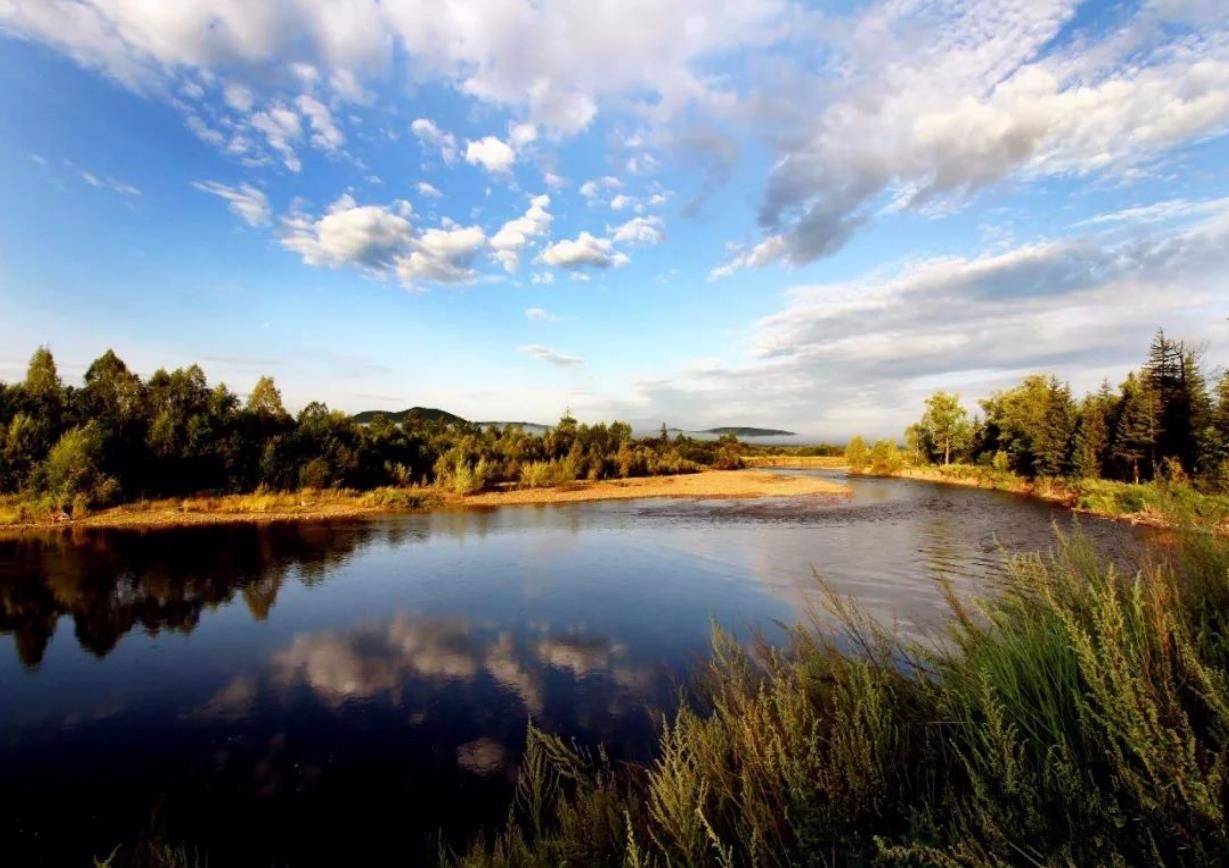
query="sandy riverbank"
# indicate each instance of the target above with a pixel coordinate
(335, 505)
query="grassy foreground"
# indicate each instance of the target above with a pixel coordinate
(1081, 717)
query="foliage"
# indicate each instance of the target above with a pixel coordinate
(1161, 416)
(175, 435)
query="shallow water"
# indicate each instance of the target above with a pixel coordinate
(312, 694)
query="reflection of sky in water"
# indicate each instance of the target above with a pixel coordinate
(265, 677)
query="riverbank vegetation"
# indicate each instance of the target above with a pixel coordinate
(1080, 717)
(1161, 437)
(66, 451)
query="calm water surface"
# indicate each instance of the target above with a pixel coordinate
(314, 694)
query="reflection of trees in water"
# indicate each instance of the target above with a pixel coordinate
(109, 582)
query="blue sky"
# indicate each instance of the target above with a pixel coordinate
(752, 212)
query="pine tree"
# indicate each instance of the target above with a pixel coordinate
(1135, 432)
(1092, 435)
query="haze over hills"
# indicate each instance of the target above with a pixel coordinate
(433, 414)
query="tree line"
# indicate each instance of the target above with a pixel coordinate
(1162, 421)
(118, 437)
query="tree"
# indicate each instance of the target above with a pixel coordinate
(42, 379)
(266, 401)
(1092, 434)
(73, 468)
(1135, 431)
(856, 454)
(946, 424)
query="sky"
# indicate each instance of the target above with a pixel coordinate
(753, 212)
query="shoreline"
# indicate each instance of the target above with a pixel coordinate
(309, 506)
(1062, 493)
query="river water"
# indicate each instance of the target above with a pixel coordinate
(320, 693)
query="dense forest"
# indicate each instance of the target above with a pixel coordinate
(118, 437)
(1163, 421)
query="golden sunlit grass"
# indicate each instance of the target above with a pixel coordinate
(312, 504)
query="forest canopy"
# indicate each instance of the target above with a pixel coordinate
(118, 437)
(1163, 420)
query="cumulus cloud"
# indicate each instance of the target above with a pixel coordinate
(426, 131)
(554, 357)
(244, 200)
(442, 256)
(977, 93)
(640, 230)
(585, 250)
(516, 234)
(593, 188)
(429, 190)
(859, 356)
(381, 242)
(493, 154)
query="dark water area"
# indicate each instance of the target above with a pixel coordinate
(328, 693)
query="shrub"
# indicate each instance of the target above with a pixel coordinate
(72, 470)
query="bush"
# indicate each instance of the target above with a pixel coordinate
(544, 474)
(72, 472)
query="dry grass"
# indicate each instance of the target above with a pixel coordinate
(259, 508)
(264, 507)
(800, 462)
(709, 484)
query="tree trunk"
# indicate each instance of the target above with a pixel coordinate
(947, 452)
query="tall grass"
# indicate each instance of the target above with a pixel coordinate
(1079, 717)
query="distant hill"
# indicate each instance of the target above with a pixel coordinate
(422, 414)
(527, 427)
(431, 414)
(743, 431)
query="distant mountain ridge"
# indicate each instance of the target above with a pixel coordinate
(432, 414)
(746, 431)
(424, 414)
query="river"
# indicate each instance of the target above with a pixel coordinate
(319, 693)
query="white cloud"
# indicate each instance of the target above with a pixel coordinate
(381, 242)
(554, 357)
(640, 230)
(553, 180)
(517, 233)
(325, 133)
(426, 131)
(428, 190)
(281, 128)
(244, 200)
(859, 356)
(537, 314)
(584, 250)
(115, 186)
(491, 153)
(771, 249)
(369, 237)
(981, 92)
(1157, 212)
(590, 189)
(238, 97)
(553, 61)
(619, 202)
(442, 256)
(521, 135)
